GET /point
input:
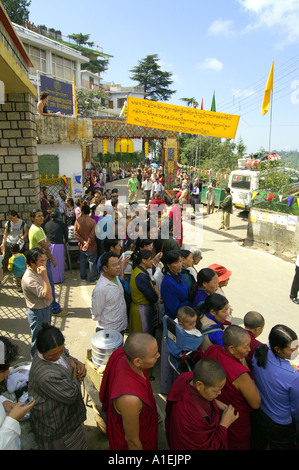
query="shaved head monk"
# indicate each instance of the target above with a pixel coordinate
(195, 419)
(239, 390)
(127, 397)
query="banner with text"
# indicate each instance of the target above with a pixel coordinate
(181, 119)
(60, 95)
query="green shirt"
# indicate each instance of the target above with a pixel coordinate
(36, 235)
(133, 184)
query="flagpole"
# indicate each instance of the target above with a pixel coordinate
(270, 132)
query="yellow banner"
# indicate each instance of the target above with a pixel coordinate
(181, 119)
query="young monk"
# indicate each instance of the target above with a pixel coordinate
(193, 413)
(254, 323)
(126, 394)
(240, 389)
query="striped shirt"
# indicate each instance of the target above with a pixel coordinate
(59, 408)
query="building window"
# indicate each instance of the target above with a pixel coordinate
(121, 102)
(63, 68)
(38, 58)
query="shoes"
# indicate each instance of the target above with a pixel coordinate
(295, 300)
(221, 228)
(227, 228)
(63, 313)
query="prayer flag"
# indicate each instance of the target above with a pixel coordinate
(201, 104)
(268, 89)
(290, 200)
(213, 105)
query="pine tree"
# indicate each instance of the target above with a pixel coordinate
(154, 81)
(17, 10)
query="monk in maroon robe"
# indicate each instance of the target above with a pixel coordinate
(240, 389)
(254, 323)
(193, 416)
(127, 397)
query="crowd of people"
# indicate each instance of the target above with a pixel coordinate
(227, 389)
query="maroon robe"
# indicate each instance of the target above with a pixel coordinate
(254, 343)
(192, 423)
(239, 432)
(119, 379)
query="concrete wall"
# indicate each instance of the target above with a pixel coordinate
(274, 231)
(19, 179)
(63, 130)
(69, 157)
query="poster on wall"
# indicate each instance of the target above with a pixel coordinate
(60, 95)
(292, 223)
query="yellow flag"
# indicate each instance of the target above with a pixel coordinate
(75, 112)
(268, 89)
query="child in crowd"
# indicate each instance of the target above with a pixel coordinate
(17, 265)
(186, 318)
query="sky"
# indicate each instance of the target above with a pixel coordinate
(221, 46)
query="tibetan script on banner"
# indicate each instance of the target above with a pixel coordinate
(181, 119)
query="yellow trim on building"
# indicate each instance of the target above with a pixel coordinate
(14, 78)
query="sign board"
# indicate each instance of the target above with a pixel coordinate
(60, 95)
(181, 119)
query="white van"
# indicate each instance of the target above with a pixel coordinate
(242, 183)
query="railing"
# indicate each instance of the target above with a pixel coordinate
(56, 184)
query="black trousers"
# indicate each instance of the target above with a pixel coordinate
(295, 284)
(265, 433)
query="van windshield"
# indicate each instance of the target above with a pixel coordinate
(241, 182)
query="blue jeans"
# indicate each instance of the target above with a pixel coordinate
(91, 257)
(55, 305)
(35, 318)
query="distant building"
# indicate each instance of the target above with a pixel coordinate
(51, 58)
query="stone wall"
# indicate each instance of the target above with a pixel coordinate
(274, 231)
(19, 179)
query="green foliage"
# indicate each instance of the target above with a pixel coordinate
(210, 152)
(95, 64)
(154, 81)
(127, 158)
(274, 177)
(290, 158)
(89, 101)
(191, 102)
(17, 10)
(79, 38)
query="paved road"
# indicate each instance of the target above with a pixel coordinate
(259, 281)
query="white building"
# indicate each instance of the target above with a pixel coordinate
(51, 58)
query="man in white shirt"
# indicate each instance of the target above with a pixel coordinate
(147, 186)
(108, 305)
(157, 187)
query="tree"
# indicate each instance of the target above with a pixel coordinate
(95, 64)
(17, 10)
(89, 101)
(154, 81)
(191, 102)
(79, 38)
